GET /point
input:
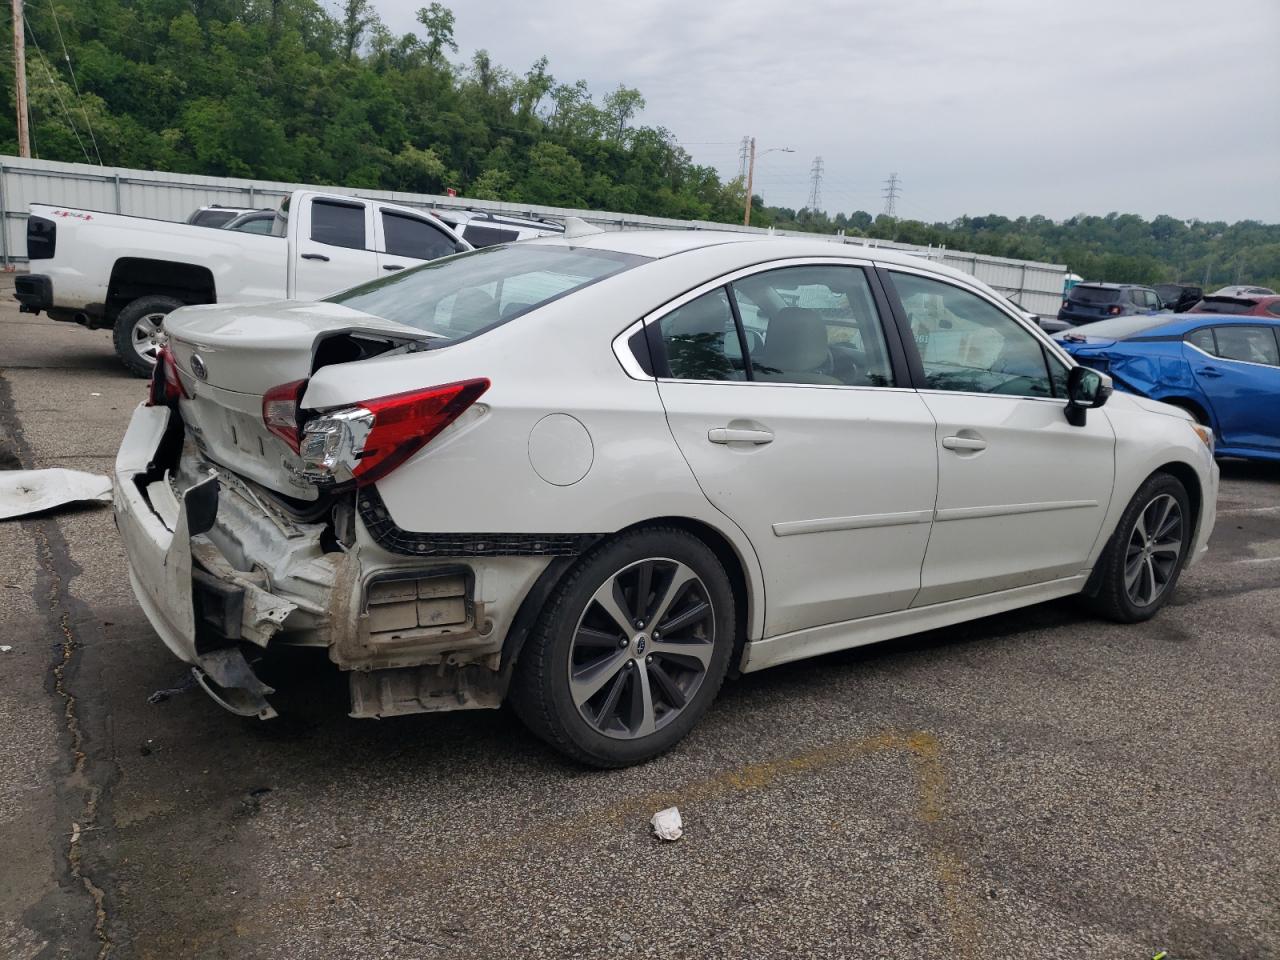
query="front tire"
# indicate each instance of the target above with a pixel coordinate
(630, 651)
(1140, 565)
(138, 329)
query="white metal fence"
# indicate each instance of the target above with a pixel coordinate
(172, 196)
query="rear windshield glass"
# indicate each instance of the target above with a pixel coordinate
(466, 294)
(1224, 305)
(1122, 327)
(1093, 295)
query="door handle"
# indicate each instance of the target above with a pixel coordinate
(964, 443)
(1209, 372)
(393, 266)
(738, 435)
(315, 256)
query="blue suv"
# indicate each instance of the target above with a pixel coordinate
(1087, 302)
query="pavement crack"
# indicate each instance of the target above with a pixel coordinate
(55, 569)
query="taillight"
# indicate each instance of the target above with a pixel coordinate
(280, 411)
(1065, 304)
(367, 441)
(166, 389)
(1115, 311)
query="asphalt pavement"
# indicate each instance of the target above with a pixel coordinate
(1038, 784)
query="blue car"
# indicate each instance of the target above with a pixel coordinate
(1223, 369)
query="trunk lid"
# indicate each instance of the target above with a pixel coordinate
(229, 355)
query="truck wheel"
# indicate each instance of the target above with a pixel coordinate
(137, 332)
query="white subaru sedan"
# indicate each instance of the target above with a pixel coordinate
(593, 475)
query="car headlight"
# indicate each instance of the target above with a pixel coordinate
(1205, 434)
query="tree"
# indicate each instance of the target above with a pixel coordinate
(356, 18)
(620, 106)
(437, 19)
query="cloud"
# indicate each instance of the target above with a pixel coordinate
(1008, 106)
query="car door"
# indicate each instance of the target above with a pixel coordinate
(1241, 380)
(1021, 492)
(799, 426)
(405, 241)
(334, 248)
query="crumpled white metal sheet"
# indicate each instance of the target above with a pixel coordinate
(24, 492)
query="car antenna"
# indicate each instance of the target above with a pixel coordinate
(577, 227)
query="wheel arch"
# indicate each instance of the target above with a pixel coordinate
(745, 601)
(134, 277)
(1191, 405)
(1190, 481)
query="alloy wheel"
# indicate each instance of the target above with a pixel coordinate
(1154, 548)
(641, 648)
(147, 335)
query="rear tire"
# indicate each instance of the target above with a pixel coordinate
(611, 694)
(1140, 565)
(137, 331)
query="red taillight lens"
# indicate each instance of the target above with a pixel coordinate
(367, 441)
(166, 389)
(280, 411)
(1115, 311)
(404, 423)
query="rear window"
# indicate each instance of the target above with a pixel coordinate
(1224, 305)
(488, 236)
(1083, 294)
(467, 294)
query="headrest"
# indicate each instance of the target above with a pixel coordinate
(796, 341)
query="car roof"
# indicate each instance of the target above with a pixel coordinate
(1113, 286)
(755, 247)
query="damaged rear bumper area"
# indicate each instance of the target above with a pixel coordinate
(224, 571)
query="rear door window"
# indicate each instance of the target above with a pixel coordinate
(1248, 344)
(700, 339)
(411, 237)
(1202, 339)
(814, 325)
(338, 224)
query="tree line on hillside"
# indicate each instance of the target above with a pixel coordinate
(284, 90)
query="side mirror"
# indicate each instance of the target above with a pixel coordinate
(1086, 388)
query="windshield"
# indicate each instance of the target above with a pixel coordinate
(1082, 294)
(466, 294)
(1120, 328)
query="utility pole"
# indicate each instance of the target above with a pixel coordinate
(742, 158)
(20, 79)
(891, 192)
(751, 173)
(815, 185)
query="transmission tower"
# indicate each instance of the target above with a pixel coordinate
(742, 158)
(815, 185)
(892, 187)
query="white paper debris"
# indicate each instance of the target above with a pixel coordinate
(24, 492)
(5, 648)
(667, 824)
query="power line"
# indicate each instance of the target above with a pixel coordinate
(56, 92)
(891, 191)
(74, 85)
(815, 188)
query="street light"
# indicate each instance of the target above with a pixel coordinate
(751, 173)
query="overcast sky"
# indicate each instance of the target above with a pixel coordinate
(1006, 106)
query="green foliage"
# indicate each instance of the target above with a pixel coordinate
(287, 90)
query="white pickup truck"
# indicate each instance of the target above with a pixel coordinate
(109, 270)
